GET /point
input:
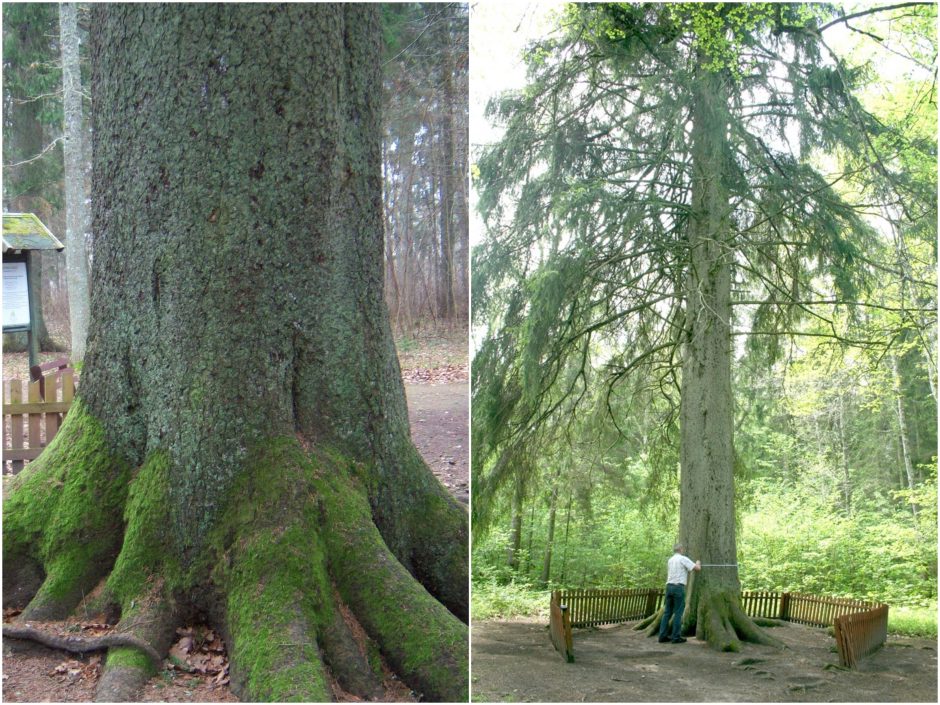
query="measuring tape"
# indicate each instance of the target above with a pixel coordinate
(719, 565)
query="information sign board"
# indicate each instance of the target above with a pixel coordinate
(15, 297)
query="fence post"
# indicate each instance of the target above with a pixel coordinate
(650, 603)
(784, 607)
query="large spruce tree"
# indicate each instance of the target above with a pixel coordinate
(668, 180)
(240, 445)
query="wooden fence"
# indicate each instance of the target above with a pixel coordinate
(861, 627)
(592, 608)
(31, 422)
(819, 611)
(860, 634)
(812, 610)
(560, 628)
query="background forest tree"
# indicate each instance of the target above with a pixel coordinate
(425, 164)
(831, 172)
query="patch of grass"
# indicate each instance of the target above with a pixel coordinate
(490, 600)
(913, 621)
(406, 345)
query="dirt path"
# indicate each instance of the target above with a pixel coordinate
(440, 418)
(515, 662)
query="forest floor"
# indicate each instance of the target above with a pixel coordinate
(435, 374)
(514, 661)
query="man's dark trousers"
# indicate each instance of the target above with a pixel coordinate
(675, 605)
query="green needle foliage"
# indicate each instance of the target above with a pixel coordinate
(581, 291)
(587, 198)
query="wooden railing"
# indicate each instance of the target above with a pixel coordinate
(30, 424)
(861, 627)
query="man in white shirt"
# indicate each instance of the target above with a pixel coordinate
(677, 577)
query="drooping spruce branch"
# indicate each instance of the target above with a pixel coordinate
(586, 200)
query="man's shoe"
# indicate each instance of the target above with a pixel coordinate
(680, 640)
(664, 639)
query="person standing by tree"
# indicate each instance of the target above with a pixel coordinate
(678, 569)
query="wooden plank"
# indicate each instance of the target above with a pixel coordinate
(52, 418)
(16, 422)
(35, 407)
(20, 454)
(68, 386)
(35, 419)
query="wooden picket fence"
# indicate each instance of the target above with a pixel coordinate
(860, 634)
(30, 422)
(592, 608)
(861, 627)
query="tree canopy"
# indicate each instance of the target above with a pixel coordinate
(587, 200)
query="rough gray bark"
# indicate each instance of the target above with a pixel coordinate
(241, 445)
(706, 522)
(252, 254)
(76, 257)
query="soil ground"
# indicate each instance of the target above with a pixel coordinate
(435, 373)
(514, 661)
(440, 419)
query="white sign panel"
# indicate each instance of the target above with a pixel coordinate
(15, 296)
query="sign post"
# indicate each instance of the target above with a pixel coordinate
(23, 235)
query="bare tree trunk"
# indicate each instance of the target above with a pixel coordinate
(515, 532)
(846, 482)
(564, 553)
(550, 539)
(902, 430)
(76, 258)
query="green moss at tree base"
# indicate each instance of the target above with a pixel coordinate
(296, 525)
(147, 555)
(127, 657)
(64, 512)
(294, 537)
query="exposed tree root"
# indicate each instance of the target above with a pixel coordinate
(294, 546)
(421, 639)
(723, 624)
(81, 644)
(651, 624)
(720, 621)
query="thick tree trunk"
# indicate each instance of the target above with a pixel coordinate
(241, 405)
(707, 517)
(76, 258)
